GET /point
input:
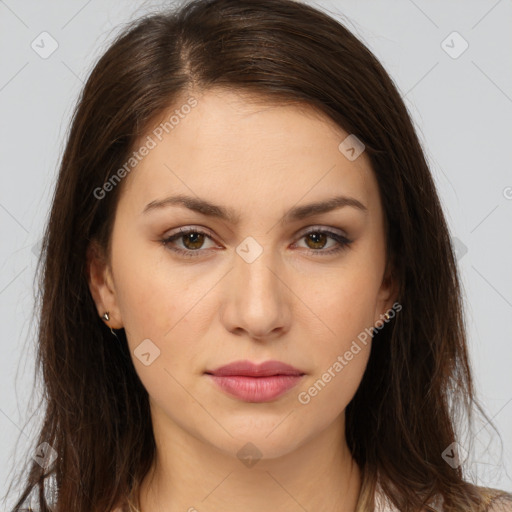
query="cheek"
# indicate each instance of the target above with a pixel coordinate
(345, 303)
(325, 395)
(339, 368)
(145, 301)
(158, 309)
(346, 308)
(149, 296)
(160, 335)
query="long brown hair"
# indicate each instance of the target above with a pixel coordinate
(418, 379)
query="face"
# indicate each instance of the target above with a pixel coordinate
(256, 277)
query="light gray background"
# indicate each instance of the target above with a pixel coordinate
(462, 108)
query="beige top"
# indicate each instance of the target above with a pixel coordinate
(502, 504)
(499, 504)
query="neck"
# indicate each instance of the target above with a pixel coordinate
(191, 475)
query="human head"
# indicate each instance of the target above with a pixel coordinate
(265, 294)
(285, 53)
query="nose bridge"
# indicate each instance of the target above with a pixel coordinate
(255, 269)
(258, 276)
(257, 301)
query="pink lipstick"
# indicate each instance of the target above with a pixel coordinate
(252, 382)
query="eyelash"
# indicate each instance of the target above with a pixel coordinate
(343, 242)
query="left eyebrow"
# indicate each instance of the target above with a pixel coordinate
(308, 210)
(297, 213)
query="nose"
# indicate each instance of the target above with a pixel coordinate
(257, 298)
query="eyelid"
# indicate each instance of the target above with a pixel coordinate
(315, 228)
(187, 229)
(206, 231)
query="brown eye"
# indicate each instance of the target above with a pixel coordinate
(318, 240)
(193, 240)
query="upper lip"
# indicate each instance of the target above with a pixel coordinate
(250, 369)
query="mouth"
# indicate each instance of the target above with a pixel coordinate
(250, 369)
(252, 382)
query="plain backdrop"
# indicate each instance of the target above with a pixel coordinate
(451, 63)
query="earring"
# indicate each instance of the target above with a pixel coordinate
(106, 317)
(386, 316)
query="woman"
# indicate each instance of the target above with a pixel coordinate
(250, 298)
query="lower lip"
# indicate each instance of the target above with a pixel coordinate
(256, 389)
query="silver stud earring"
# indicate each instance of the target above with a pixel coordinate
(106, 317)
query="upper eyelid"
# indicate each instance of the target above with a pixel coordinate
(304, 231)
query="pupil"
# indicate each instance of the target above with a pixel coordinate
(193, 239)
(315, 237)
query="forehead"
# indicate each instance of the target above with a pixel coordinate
(239, 149)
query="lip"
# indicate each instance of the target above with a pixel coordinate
(252, 382)
(250, 369)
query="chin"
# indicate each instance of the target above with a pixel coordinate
(256, 443)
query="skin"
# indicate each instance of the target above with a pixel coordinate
(290, 304)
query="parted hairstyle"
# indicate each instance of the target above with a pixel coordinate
(418, 382)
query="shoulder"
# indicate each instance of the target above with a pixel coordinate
(495, 501)
(502, 502)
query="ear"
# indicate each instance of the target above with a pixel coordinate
(101, 285)
(387, 295)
